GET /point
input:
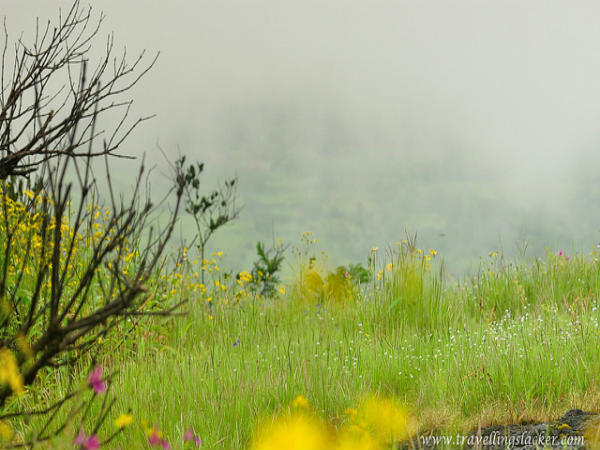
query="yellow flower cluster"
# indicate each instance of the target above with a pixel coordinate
(24, 223)
(300, 402)
(9, 371)
(244, 278)
(123, 421)
(377, 423)
(219, 285)
(6, 432)
(307, 238)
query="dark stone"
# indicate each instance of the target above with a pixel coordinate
(566, 433)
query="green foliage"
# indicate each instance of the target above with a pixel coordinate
(266, 268)
(358, 273)
(210, 211)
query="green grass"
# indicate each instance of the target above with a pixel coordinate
(517, 341)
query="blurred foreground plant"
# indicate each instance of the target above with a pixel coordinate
(377, 423)
(71, 268)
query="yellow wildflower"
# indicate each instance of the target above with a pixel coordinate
(351, 412)
(296, 432)
(9, 371)
(386, 421)
(124, 420)
(300, 402)
(6, 432)
(154, 432)
(356, 438)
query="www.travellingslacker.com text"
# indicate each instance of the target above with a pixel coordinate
(500, 440)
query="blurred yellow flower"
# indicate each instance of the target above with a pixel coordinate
(28, 193)
(153, 432)
(300, 402)
(296, 432)
(385, 420)
(6, 432)
(124, 420)
(351, 413)
(9, 371)
(354, 437)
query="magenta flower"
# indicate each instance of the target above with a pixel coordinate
(96, 382)
(560, 253)
(80, 439)
(191, 436)
(154, 437)
(90, 442)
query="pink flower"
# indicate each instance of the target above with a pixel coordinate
(154, 437)
(560, 253)
(191, 436)
(96, 382)
(80, 439)
(90, 442)
(567, 257)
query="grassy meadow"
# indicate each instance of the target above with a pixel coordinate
(329, 357)
(138, 310)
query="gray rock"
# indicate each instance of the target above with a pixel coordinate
(566, 433)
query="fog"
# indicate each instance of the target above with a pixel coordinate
(474, 123)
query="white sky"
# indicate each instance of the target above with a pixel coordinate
(512, 86)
